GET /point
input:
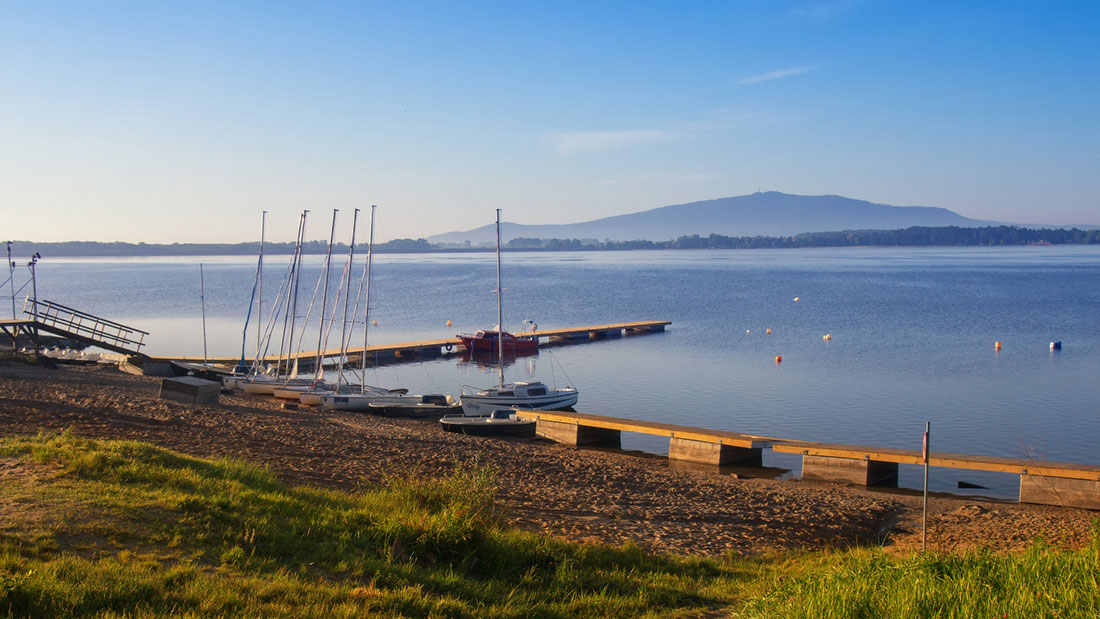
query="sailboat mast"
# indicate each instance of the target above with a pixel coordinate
(202, 301)
(500, 310)
(319, 370)
(366, 302)
(285, 303)
(260, 286)
(294, 305)
(347, 297)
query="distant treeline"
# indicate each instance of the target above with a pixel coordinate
(917, 236)
(94, 249)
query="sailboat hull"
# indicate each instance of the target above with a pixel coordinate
(480, 406)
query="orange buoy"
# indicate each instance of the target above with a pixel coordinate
(827, 337)
(997, 346)
(769, 331)
(779, 359)
(374, 323)
(448, 323)
(796, 299)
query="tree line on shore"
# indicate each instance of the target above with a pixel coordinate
(917, 236)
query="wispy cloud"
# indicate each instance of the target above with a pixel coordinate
(591, 141)
(774, 75)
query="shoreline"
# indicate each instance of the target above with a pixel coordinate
(587, 495)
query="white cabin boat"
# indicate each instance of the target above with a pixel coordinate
(518, 395)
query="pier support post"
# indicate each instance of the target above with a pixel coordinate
(850, 471)
(575, 434)
(1060, 491)
(715, 454)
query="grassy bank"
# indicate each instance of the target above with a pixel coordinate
(104, 528)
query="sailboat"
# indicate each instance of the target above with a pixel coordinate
(242, 370)
(292, 390)
(262, 384)
(491, 411)
(364, 397)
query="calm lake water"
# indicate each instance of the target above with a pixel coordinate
(913, 334)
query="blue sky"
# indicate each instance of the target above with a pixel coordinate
(176, 122)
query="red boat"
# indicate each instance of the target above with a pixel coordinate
(486, 340)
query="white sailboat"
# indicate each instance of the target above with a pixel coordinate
(364, 397)
(485, 409)
(292, 390)
(257, 383)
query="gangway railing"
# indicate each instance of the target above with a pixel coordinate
(100, 331)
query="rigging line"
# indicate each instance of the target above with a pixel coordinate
(305, 321)
(354, 312)
(248, 317)
(331, 321)
(281, 295)
(554, 360)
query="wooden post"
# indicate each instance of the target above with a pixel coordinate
(924, 521)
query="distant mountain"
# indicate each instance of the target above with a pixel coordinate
(769, 213)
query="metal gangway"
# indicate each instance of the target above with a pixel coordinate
(74, 324)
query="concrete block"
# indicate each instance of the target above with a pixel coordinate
(712, 453)
(573, 434)
(849, 471)
(190, 390)
(1060, 491)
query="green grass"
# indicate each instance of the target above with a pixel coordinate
(124, 529)
(1042, 582)
(128, 528)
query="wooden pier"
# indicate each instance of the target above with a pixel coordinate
(428, 349)
(1049, 483)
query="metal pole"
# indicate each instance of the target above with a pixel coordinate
(260, 286)
(500, 310)
(34, 291)
(319, 371)
(924, 522)
(202, 301)
(11, 280)
(366, 302)
(347, 297)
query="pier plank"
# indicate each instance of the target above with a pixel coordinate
(439, 343)
(702, 435)
(995, 464)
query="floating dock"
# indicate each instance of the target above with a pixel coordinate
(1048, 483)
(428, 349)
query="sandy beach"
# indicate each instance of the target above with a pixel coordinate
(579, 494)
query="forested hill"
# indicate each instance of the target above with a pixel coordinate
(917, 236)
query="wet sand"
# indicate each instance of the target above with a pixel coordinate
(579, 494)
